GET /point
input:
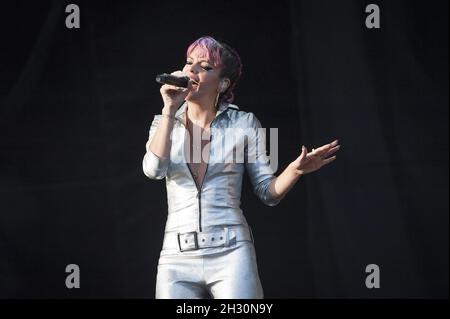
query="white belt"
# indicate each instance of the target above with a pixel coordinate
(198, 240)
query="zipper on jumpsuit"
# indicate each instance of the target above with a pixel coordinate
(199, 189)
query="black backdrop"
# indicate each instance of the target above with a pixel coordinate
(76, 106)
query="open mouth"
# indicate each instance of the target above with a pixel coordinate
(194, 84)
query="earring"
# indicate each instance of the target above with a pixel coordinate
(221, 89)
(217, 100)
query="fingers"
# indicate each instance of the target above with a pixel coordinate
(328, 160)
(325, 148)
(178, 73)
(176, 88)
(304, 152)
(332, 151)
(302, 155)
(332, 148)
(319, 150)
(173, 95)
(167, 87)
(324, 151)
(317, 158)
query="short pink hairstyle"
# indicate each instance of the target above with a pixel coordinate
(221, 55)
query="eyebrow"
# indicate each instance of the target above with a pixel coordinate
(203, 60)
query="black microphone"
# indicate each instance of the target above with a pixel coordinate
(173, 80)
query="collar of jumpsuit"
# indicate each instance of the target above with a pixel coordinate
(179, 115)
(216, 202)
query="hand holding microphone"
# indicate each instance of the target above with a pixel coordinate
(176, 87)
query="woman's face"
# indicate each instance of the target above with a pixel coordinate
(204, 74)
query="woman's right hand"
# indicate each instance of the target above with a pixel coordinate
(173, 96)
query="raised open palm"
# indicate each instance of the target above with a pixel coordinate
(310, 162)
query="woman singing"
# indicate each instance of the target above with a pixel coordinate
(202, 149)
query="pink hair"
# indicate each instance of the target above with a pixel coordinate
(220, 55)
(209, 49)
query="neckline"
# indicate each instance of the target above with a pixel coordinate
(223, 106)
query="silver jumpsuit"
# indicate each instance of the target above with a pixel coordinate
(208, 249)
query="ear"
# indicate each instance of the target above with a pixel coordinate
(224, 84)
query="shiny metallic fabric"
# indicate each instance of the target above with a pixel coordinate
(226, 273)
(194, 261)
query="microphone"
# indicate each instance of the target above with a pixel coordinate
(173, 80)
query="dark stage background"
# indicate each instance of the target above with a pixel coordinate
(76, 106)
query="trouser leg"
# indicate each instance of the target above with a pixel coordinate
(180, 277)
(233, 274)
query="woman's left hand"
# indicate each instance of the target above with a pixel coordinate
(310, 162)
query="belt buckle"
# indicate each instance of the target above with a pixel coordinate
(195, 241)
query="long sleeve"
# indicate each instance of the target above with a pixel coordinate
(153, 166)
(257, 162)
